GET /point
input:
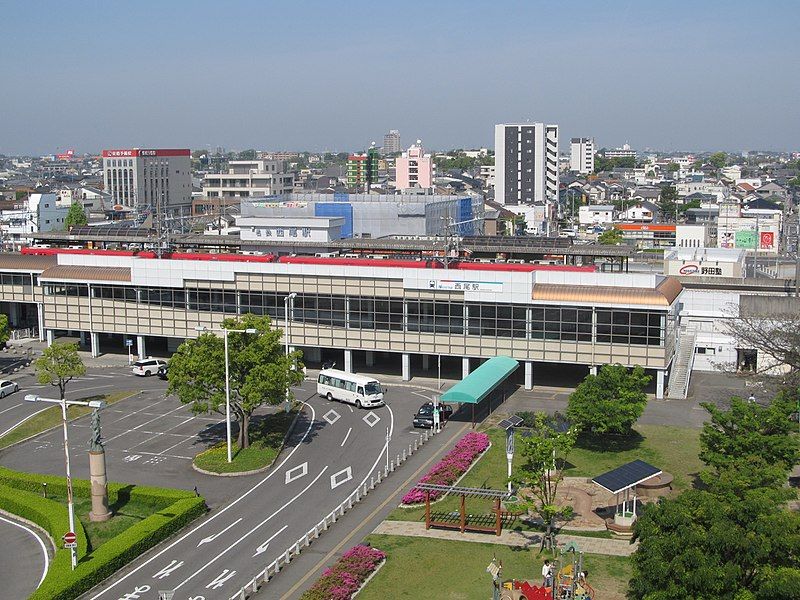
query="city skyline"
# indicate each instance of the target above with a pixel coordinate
(699, 77)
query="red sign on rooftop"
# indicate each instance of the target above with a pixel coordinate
(135, 152)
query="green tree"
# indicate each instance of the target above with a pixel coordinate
(58, 365)
(667, 202)
(260, 372)
(5, 330)
(543, 452)
(610, 402)
(610, 237)
(673, 167)
(76, 216)
(718, 160)
(247, 155)
(748, 431)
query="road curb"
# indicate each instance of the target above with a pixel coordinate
(263, 469)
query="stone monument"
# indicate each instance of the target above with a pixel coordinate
(97, 472)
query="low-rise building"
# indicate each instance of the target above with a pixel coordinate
(303, 229)
(596, 214)
(249, 179)
(39, 213)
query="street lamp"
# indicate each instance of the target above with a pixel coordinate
(70, 504)
(227, 380)
(286, 301)
(509, 425)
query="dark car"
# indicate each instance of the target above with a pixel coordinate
(163, 372)
(424, 416)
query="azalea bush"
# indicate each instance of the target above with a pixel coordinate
(452, 466)
(345, 577)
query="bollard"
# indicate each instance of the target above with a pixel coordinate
(307, 541)
(287, 556)
(380, 477)
(426, 436)
(349, 502)
(325, 524)
(391, 467)
(397, 462)
(372, 482)
(416, 444)
(297, 548)
(255, 585)
(316, 532)
(365, 488)
(242, 594)
(358, 495)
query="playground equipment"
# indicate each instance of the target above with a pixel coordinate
(569, 582)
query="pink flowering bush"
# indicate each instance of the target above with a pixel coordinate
(454, 464)
(344, 578)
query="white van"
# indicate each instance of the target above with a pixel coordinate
(364, 392)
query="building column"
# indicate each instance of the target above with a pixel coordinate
(140, 347)
(593, 370)
(50, 337)
(370, 356)
(83, 335)
(13, 314)
(40, 315)
(94, 339)
(426, 362)
(464, 367)
(528, 375)
(660, 377)
(238, 303)
(348, 361)
(406, 366)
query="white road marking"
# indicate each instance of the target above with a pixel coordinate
(263, 547)
(371, 419)
(186, 439)
(94, 387)
(18, 423)
(142, 424)
(242, 538)
(220, 579)
(167, 455)
(132, 458)
(41, 545)
(221, 512)
(347, 435)
(168, 570)
(427, 398)
(302, 471)
(211, 538)
(166, 431)
(11, 407)
(331, 416)
(351, 408)
(347, 475)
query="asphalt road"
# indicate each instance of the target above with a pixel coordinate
(23, 558)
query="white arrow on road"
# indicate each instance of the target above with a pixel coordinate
(211, 538)
(220, 579)
(263, 547)
(168, 570)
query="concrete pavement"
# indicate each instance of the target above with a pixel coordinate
(24, 557)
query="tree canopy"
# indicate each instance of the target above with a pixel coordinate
(76, 216)
(602, 163)
(609, 402)
(58, 365)
(667, 202)
(610, 237)
(5, 329)
(260, 372)
(718, 160)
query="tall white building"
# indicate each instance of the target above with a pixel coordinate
(391, 142)
(248, 179)
(581, 155)
(526, 163)
(138, 178)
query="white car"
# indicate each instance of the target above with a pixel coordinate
(7, 387)
(147, 367)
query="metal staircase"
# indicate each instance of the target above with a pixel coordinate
(678, 384)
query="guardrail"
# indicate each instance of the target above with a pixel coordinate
(21, 334)
(267, 573)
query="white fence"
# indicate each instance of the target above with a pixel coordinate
(267, 573)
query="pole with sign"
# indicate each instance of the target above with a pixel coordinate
(70, 540)
(128, 344)
(509, 452)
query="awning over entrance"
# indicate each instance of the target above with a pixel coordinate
(478, 384)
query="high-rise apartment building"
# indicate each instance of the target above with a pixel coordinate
(414, 168)
(362, 169)
(625, 152)
(249, 178)
(581, 155)
(141, 178)
(526, 163)
(391, 142)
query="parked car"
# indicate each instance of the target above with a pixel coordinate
(7, 387)
(147, 367)
(424, 416)
(163, 372)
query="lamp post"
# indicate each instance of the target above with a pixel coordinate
(227, 380)
(286, 302)
(70, 504)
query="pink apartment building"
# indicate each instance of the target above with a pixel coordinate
(414, 168)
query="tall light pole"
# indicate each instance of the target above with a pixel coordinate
(70, 503)
(286, 302)
(227, 380)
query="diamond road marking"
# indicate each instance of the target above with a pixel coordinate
(371, 419)
(296, 473)
(331, 416)
(345, 474)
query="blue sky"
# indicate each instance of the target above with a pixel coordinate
(336, 75)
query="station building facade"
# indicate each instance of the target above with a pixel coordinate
(563, 316)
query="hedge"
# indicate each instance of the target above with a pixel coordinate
(20, 494)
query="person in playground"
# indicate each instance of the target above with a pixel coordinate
(547, 574)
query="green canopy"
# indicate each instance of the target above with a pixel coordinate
(477, 385)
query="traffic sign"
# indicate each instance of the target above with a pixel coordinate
(70, 540)
(129, 342)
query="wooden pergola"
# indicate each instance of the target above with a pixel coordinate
(464, 492)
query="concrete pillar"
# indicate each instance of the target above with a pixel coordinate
(50, 337)
(528, 375)
(238, 303)
(593, 370)
(464, 367)
(348, 361)
(97, 476)
(406, 366)
(13, 314)
(426, 362)
(40, 311)
(370, 358)
(660, 377)
(140, 347)
(94, 339)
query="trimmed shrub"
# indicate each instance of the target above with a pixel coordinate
(347, 575)
(454, 464)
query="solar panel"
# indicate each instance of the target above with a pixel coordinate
(512, 421)
(626, 476)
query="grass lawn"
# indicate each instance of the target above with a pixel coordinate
(51, 417)
(266, 438)
(429, 568)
